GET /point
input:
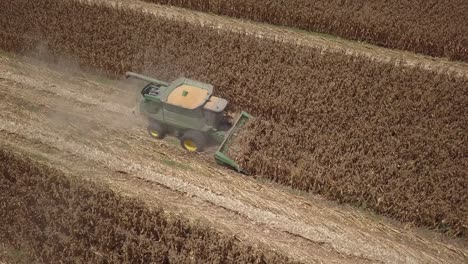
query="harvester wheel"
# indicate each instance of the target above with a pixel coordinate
(193, 141)
(156, 130)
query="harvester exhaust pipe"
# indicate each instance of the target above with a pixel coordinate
(145, 78)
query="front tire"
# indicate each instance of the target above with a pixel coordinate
(156, 130)
(193, 141)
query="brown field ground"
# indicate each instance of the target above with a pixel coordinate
(359, 124)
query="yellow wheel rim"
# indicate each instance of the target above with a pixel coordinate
(189, 145)
(154, 133)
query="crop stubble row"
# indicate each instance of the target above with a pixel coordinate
(392, 139)
(432, 27)
(56, 218)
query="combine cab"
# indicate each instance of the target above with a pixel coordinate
(187, 109)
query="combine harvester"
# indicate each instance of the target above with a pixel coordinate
(187, 109)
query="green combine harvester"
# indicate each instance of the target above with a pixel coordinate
(187, 109)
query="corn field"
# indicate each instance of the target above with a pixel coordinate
(384, 137)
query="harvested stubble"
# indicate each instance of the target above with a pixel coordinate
(386, 137)
(432, 27)
(56, 218)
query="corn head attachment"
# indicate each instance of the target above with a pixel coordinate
(221, 154)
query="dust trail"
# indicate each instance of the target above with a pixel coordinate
(122, 100)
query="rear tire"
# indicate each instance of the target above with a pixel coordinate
(193, 141)
(156, 130)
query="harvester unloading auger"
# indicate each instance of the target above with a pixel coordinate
(187, 109)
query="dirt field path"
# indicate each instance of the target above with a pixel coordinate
(82, 124)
